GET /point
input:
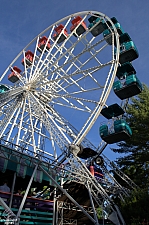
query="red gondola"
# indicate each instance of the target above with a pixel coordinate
(42, 42)
(14, 76)
(81, 28)
(61, 33)
(28, 58)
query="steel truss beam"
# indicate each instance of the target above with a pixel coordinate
(70, 206)
(10, 216)
(66, 193)
(59, 213)
(71, 170)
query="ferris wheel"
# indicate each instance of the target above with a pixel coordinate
(65, 74)
(56, 88)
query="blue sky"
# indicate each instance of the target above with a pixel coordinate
(21, 21)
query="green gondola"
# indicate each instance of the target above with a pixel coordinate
(121, 132)
(131, 87)
(96, 25)
(125, 70)
(111, 111)
(128, 50)
(3, 88)
(107, 32)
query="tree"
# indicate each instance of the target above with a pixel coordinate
(135, 159)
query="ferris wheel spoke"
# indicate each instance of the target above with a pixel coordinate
(52, 127)
(86, 126)
(35, 63)
(77, 59)
(63, 55)
(9, 95)
(91, 70)
(66, 98)
(69, 61)
(63, 123)
(51, 58)
(23, 127)
(72, 107)
(57, 79)
(86, 73)
(62, 46)
(40, 138)
(41, 62)
(70, 95)
(83, 90)
(78, 68)
(26, 69)
(25, 141)
(14, 122)
(6, 121)
(6, 102)
(31, 122)
(21, 122)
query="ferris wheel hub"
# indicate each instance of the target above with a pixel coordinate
(28, 87)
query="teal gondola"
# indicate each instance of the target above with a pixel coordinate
(121, 132)
(128, 50)
(3, 88)
(107, 32)
(96, 25)
(125, 70)
(111, 111)
(131, 87)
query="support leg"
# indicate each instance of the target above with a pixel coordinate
(25, 195)
(12, 189)
(10, 215)
(93, 207)
(54, 207)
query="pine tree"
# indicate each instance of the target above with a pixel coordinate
(135, 159)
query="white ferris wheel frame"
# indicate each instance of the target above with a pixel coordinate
(34, 75)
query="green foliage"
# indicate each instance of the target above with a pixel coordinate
(135, 208)
(99, 213)
(134, 160)
(46, 194)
